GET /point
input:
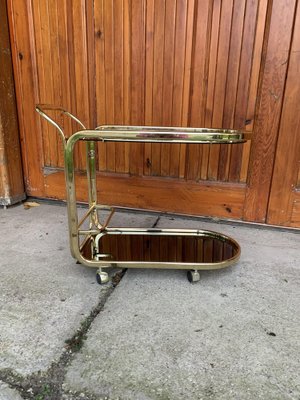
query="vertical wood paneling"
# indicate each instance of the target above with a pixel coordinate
(149, 54)
(90, 32)
(127, 78)
(168, 79)
(269, 109)
(198, 63)
(110, 82)
(236, 38)
(243, 87)
(45, 76)
(190, 22)
(24, 56)
(220, 83)
(158, 71)
(250, 23)
(11, 174)
(137, 89)
(119, 80)
(100, 77)
(181, 64)
(80, 63)
(55, 70)
(198, 83)
(64, 83)
(232, 83)
(178, 79)
(213, 54)
(254, 80)
(286, 168)
(256, 63)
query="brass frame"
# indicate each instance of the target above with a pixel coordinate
(96, 229)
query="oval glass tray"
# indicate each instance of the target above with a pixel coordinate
(166, 248)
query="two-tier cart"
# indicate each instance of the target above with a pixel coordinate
(94, 244)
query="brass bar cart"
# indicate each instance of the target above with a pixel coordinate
(94, 244)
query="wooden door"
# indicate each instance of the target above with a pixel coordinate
(284, 205)
(209, 63)
(11, 175)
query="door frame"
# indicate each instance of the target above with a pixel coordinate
(247, 202)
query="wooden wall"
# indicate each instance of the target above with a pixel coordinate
(284, 203)
(11, 175)
(212, 63)
(174, 62)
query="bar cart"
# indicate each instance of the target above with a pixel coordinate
(94, 244)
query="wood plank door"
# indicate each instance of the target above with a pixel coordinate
(155, 62)
(284, 204)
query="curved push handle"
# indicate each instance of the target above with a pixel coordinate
(40, 108)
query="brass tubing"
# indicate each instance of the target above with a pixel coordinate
(41, 111)
(167, 265)
(172, 232)
(71, 202)
(73, 223)
(89, 231)
(86, 215)
(91, 179)
(131, 134)
(162, 136)
(40, 108)
(144, 128)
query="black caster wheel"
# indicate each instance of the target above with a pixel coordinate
(193, 276)
(102, 277)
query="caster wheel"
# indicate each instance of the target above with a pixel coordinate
(193, 276)
(102, 277)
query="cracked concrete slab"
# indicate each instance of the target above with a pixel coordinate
(44, 294)
(8, 394)
(233, 335)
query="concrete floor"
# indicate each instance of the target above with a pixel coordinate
(233, 335)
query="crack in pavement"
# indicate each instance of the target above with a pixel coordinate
(48, 385)
(156, 222)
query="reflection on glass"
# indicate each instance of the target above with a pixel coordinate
(158, 248)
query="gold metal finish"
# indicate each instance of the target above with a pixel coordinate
(93, 237)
